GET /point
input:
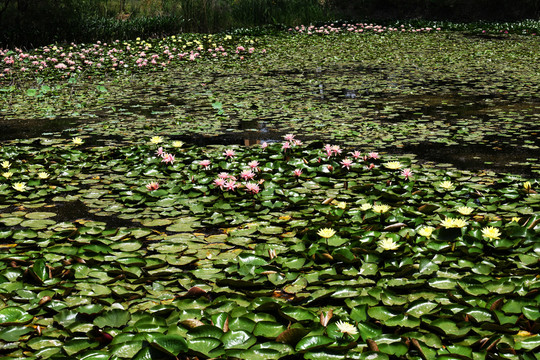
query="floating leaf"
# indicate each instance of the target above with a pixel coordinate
(12, 315)
(170, 344)
(312, 342)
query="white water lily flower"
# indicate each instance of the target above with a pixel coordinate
(388, 244)
(19, 186)
(326, 233)
(346, 328)
(365, 207)
(77, 140)
(447, 185)
(465, 210)
(381, 208)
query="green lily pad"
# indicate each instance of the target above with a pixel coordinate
(313, 342)
(13, 315)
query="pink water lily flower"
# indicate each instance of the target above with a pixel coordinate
(253, 164)
(229, 153)
(220, 182)
(336, 149)
(328, 149)
(223, 175)
(406, 173)
(230, 185)
(346, 163)
(152, 186)
(264, 145)
(297, 172)
(160, 152)
(168, 158)
(247, 175)
(286, 145)
(205, 163)
(289, 137)
(253, 188)
(373, 155)
(356, 154)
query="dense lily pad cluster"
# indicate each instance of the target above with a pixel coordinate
(328, 259)
(357, 28)
(123, 57)
(149, 232)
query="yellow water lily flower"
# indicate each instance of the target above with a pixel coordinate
(447, 222)
(177, 143)
(346, 328)
(156, 139)
(365, 207)
(77, 140)
(388, 244)
(491, 233)
(381, 209)
(43, 175)
(465, 210)
(19, 186)
(527, 185)
(426, 231)
(447, 185)
(6, 164)
(326, 233)
(393, 165)
(453, 223)
(459, 223)
(7, 174)
(340, 204)
(515, 219)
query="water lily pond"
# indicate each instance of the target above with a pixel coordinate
(321, 193)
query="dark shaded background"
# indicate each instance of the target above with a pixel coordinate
(30, 23)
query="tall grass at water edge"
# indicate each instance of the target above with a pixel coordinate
(90, 20)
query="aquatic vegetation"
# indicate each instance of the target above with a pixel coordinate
(209, 243)
(283, 222)
(491, 233)
(119, 58)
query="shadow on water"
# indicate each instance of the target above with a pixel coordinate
(29, 128)
(473, 157)
(75, 210)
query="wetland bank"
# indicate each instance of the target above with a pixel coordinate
(365, 195)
